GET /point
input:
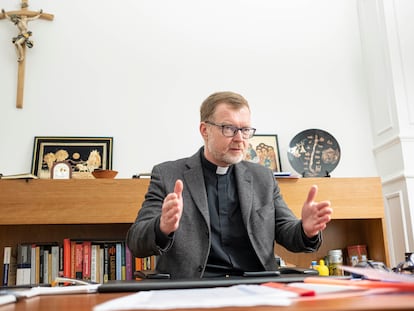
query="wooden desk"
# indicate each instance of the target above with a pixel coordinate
(86, 302)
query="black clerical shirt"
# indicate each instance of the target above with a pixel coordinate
(231, 251)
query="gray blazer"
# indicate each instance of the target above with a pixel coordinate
(266, 216)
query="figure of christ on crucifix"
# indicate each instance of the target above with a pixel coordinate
(20, 19)
(23, 38)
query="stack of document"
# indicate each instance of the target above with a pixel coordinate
(217, 297)
(6, 298)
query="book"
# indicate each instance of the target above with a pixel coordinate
(118, 261)
(101, 265)
(137, 265)
(19, 176)
(86, 270)
(61, 260)
(112, 262)
(9, 267)
(78, 260)
(105, 278)
(6, 264)
(123, 261)
(72, 259)
(45, 261)
(23, 264)
(34, 270)
(95, 263)
(277, 174)
(128, 264)
(55, 253)
(67, 258)
(286, 175)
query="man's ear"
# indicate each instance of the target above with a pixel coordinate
(203, 130)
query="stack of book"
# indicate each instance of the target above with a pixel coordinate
(94, 261)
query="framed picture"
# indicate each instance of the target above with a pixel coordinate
(264, 149)
(84, 154)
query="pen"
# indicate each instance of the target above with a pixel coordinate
(63, 281)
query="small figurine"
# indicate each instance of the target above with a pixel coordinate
(23, 38)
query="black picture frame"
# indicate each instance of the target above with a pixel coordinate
(264, 149)
(84, 154)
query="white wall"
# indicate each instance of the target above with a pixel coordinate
(138, 70)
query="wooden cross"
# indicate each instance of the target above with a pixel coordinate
(20, 19)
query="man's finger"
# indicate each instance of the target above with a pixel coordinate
(178, 188)
(312, 194)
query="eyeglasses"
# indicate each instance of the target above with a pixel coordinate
(231, 131)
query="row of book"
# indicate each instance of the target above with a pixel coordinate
(89, 260)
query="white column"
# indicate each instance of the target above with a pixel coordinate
(387, 38)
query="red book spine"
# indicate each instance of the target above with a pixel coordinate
(79, 261)
(72, 259)
(87, 250)
(112, 262)
(66, 258)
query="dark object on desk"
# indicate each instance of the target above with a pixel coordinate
(281, 271)
(153, 284)
(151, 274)
(407, 266)
(261, 273)
(297, 270)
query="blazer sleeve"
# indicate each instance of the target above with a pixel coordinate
(142, 235)
(288, 228)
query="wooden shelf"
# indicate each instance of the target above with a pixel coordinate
(49, 210)
(358, 215)
(74, 201)
(351, 198)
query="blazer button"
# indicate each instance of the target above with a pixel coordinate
(200, 268)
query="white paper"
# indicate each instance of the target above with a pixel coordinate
(57, 290)
(379, 275)
(237, 296)
(7, 298)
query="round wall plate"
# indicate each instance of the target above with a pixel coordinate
(314, 153)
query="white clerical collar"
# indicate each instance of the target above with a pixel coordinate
(222, 170)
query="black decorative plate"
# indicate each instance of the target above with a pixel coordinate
(314, 153)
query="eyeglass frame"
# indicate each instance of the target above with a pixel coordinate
(235, 129)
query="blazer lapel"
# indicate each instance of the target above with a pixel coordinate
(194, 182)
(245, 190)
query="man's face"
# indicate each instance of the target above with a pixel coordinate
(222, 150)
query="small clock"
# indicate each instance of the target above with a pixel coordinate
(61, 170)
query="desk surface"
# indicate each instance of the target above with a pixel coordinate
(86, 302)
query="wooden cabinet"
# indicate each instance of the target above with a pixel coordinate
(50, 210)
(358, 215)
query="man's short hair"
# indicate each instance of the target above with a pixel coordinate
(208, 107)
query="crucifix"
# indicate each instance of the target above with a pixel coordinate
(22, 40)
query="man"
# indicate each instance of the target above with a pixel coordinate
(213, 214)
